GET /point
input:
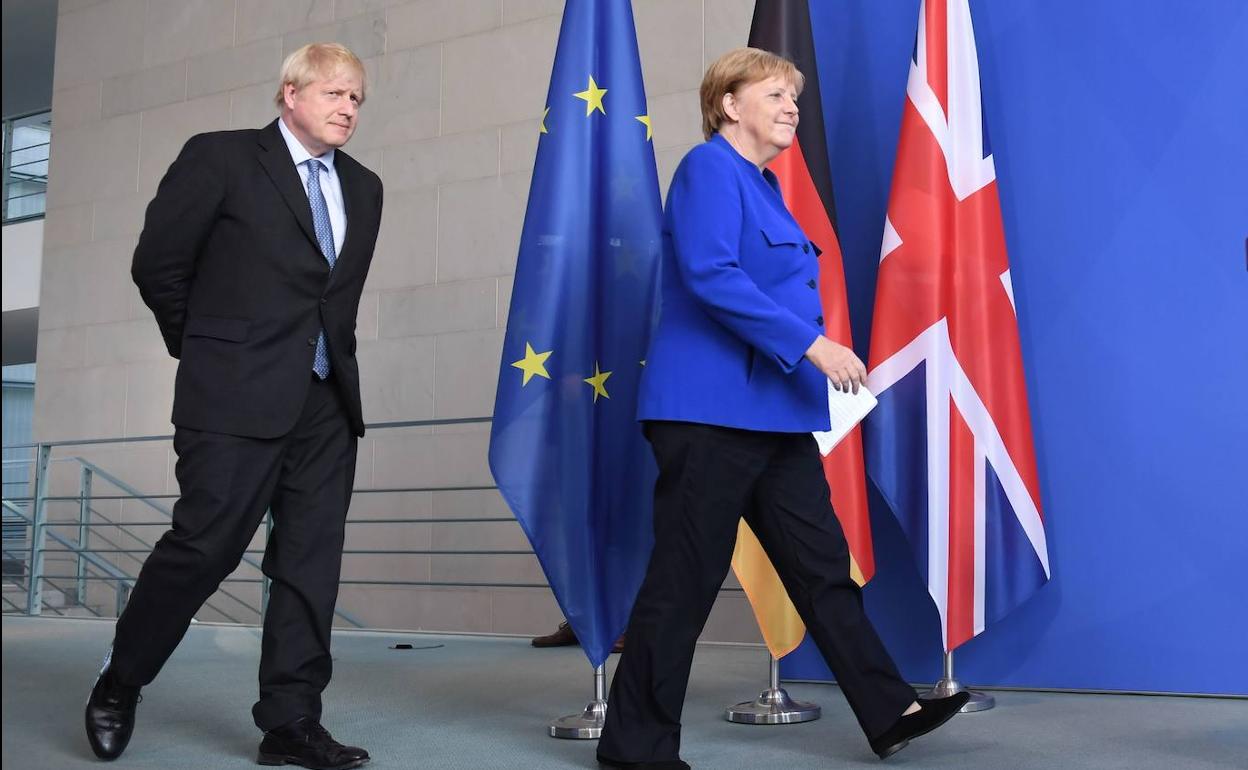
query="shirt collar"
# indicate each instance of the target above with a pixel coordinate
(298, 153)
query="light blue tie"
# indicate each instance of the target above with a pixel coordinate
(325, 237)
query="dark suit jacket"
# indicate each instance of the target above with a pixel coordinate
(229, 263)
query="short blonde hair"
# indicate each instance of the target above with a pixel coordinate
(740, 67)
(318, 60)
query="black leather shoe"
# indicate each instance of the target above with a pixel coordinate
(110, 715)
(563, 636)
(305, 743)
(931, 714)
(662, 764)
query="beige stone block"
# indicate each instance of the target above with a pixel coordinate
(149, 397)
(667, 161)
(365, 35)
(406, 251)
(466, 374)
(484, 535)
(396, 379)
(497, 569)
(80, 403)
(187, 28)
(70, 6)
(253, 107)
(86, 284)
(166, 130)
(126, 342)
(451, 158)
(119, 218)
(345, 9)
(98, 41)
(67, 226)
(732, 620)
(63, 348)
(432, 461)
(478, 93)
(665, 28)
(677, 119)
(527, 611)
(385, 566)
(364, 463)
(479, 225)
(476, 503)
(76, 105)
(518, 146)
(505, 285)
(234, 68)
(366, 316)
(464, 609)
(145, 89)
(79, 172)
(400, 536)
(384, 504)
(440, 308)
(727, 27)
(256, 19)
(516, 11)
(426, 21)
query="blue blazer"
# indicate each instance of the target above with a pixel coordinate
(739, 303)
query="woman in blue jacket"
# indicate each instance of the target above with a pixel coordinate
(735, 382)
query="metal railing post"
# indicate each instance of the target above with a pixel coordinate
(84, 531)
(38, 518)
(266, 585)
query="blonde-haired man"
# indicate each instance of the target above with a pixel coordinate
(252, 259)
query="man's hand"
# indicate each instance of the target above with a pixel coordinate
(839, 363)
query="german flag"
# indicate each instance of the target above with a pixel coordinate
(783, 27)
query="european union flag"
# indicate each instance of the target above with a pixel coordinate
(565, 449)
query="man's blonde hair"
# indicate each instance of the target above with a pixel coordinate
(318, 60)
(740, 67)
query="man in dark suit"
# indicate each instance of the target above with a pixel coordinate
(252, 258)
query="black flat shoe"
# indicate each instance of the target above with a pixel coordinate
(305, 743)
(662, 764)
(110, 715)
(931, 714)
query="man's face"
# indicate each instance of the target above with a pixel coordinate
(323, 113)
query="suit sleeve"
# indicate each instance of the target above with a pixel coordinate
(178, 223)
(706, 219)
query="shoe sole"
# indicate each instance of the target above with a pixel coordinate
(284, 759)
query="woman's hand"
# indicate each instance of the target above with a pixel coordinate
(839, 363)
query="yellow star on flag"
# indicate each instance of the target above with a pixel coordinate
(646, 120)
(598, 383)
(542, 129)
(593, 97)
(533, 363)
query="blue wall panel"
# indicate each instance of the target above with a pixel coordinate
(1120, 132)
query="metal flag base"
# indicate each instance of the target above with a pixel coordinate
(586, 725)
(773, 706)
(949, 686)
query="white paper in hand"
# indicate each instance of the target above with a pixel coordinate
(845, 410)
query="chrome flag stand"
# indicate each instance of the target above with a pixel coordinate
(949, 686)
(773, 706)
(587, 724)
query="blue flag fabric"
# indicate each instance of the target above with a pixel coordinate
(566, 449)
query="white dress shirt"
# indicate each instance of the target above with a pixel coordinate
(331, 186)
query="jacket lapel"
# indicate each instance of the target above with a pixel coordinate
(354, 203)
(275, 158)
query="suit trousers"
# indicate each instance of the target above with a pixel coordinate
(709, 477)
(227, 483)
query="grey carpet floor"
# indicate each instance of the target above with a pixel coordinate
(476, 702)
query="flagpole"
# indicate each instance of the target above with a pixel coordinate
(773, 706)
(587, 724)
(949, 686)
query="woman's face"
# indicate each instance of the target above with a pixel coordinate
(766, 113)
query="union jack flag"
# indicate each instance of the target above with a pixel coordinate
(950, 445)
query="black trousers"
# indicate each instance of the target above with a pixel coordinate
(227, 483)
(709, 477)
